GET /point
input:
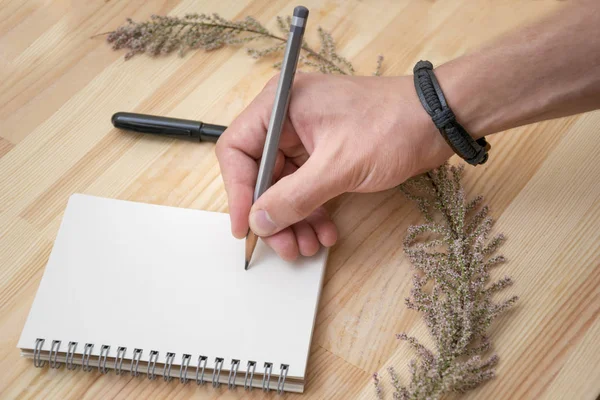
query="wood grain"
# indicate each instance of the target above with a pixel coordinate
(59, 87)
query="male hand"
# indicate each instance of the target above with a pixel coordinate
(342, 134)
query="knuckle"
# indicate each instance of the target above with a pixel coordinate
(272, 82)
(300, 77)
(298, 206)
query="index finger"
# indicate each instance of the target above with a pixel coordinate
(237, 151)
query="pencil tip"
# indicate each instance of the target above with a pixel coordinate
(246, 265)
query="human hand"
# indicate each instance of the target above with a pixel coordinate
(342, 134)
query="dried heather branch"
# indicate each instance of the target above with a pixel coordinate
(377, 383)
(454, 252)
(163, 35)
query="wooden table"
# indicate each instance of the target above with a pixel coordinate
(59, 87)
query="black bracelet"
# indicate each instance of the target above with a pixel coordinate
(431, 96)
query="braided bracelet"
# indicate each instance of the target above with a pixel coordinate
(431, 96)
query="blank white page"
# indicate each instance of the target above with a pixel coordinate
(172, 280)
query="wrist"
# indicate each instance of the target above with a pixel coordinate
(433, 100)
(459, 83)
(429, 146)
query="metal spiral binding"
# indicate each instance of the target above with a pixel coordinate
(119, 360)
(267, 377)
(232, 373)
(137, 354)
(70, 354)
(168, 365)
(185, 362)
(102, 359)
(217, 372)
(37, 362)
(53, 353)
(151, 369)
(152, 364)
(282, 375)
(248, 385)
(85, 357)
(201, 360)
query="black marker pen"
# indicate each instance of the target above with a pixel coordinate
(172, 127)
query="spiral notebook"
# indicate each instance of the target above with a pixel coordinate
(141, 289)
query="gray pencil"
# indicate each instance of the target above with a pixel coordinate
(280, 106)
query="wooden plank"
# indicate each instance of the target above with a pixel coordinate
(5, 146)
(583, 363)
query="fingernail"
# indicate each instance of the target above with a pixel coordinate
(261, 223)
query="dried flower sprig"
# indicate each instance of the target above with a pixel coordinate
(164, 35)
(452, 254)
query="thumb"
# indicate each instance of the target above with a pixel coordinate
(294, 197)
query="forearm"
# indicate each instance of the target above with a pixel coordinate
(547, 70)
